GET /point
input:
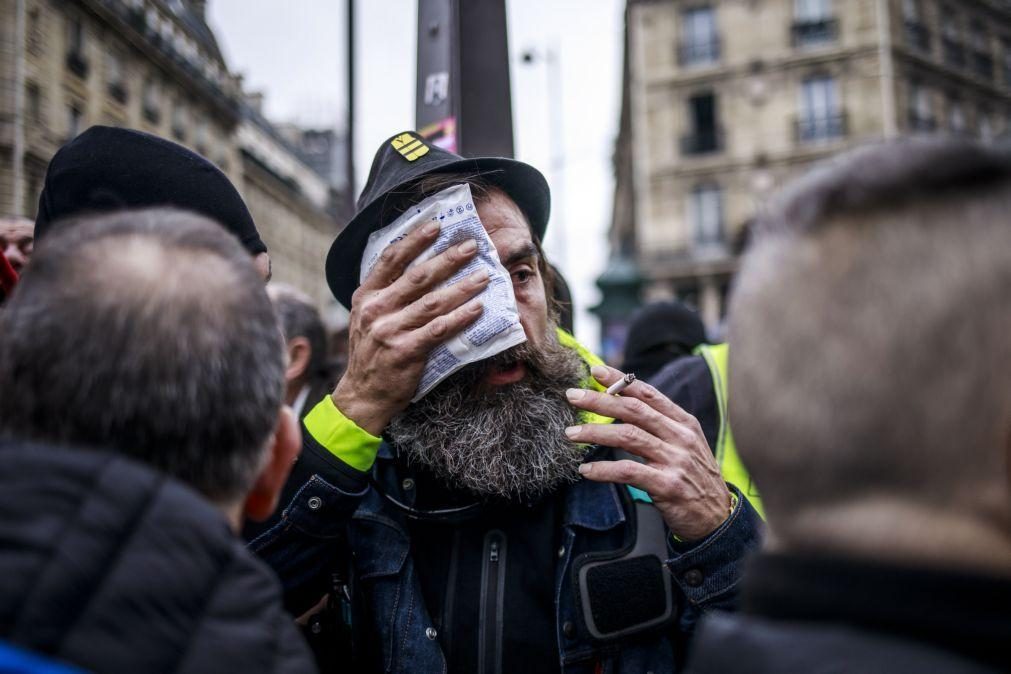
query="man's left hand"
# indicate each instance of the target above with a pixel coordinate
(680, 473)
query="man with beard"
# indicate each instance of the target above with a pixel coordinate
(455, 532)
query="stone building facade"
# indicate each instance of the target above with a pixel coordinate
(152, 65)
(290, 203)
(724, 100)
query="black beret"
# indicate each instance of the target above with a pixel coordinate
(108, 168)
(401, 160)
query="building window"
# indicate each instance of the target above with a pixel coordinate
(917, 33)
(74, 121)
(151, 102)
(956, 115)
(179, 121)
(703, 135)
(700, 42)
(921, 108)
(982, 59)
(705, 213)
(34, 37)
(76, 63)
(1006, 54)
(200, 136)
(951, 38)
(985, 125)
(821, 117)
(115, 76)
(813, 22)
(33, 102)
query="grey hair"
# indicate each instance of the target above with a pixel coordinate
(869, 333)
(883, 176)
(146, 333)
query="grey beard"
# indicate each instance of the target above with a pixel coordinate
(507, 442)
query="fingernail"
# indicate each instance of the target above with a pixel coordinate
(467, 247)
(598, 372)
(476, 306)
(479, 277)
(430, 229)
(584, 469)
(573, 431)
(574, 394)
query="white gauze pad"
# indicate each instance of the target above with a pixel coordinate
(499, 327)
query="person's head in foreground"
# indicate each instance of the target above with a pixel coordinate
(496, 427)
(871, 399)
(17, 237)
(142, 374)
(149, 333)
(108, 169)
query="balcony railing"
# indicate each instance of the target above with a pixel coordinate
(918, 35)
(982, 64)
(809, 129)
(954, 52)
(695, 144)
(919, 123)
(814, 31)
(77, 64)
(699, 53)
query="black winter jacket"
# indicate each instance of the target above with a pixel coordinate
(112, 567)
(836, 616)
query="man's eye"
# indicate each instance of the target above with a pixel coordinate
(522, 276)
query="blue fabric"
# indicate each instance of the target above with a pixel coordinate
(594, 520)
(16, 661)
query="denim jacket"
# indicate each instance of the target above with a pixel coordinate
(331, 510)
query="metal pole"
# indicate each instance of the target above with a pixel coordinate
(350, 140)
(19, 108)
(556, 119)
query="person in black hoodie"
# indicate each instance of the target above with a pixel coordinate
(141, 418)
(871, 401)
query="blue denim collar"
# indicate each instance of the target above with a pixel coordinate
(385, 451)
(593, 505)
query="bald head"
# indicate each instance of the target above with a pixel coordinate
(149, 333)
(871, 365)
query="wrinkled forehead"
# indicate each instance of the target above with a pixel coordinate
(505, 223)
(11, 228)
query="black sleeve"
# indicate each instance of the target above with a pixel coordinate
(688, 382)
(306, 541)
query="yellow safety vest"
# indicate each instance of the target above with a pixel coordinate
(731, 467)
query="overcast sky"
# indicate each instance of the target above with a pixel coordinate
(294, 51)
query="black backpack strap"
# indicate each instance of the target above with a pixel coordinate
(630, 590)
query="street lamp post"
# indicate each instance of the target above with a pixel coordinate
(556, 141)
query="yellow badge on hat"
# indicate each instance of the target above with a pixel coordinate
(409, 146)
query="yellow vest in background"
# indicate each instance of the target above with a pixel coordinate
(731, 467)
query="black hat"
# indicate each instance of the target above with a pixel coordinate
(107, 168)
(401, 160)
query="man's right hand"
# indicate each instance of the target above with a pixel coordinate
(397, 319)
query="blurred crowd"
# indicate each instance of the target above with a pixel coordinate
(196, 477)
